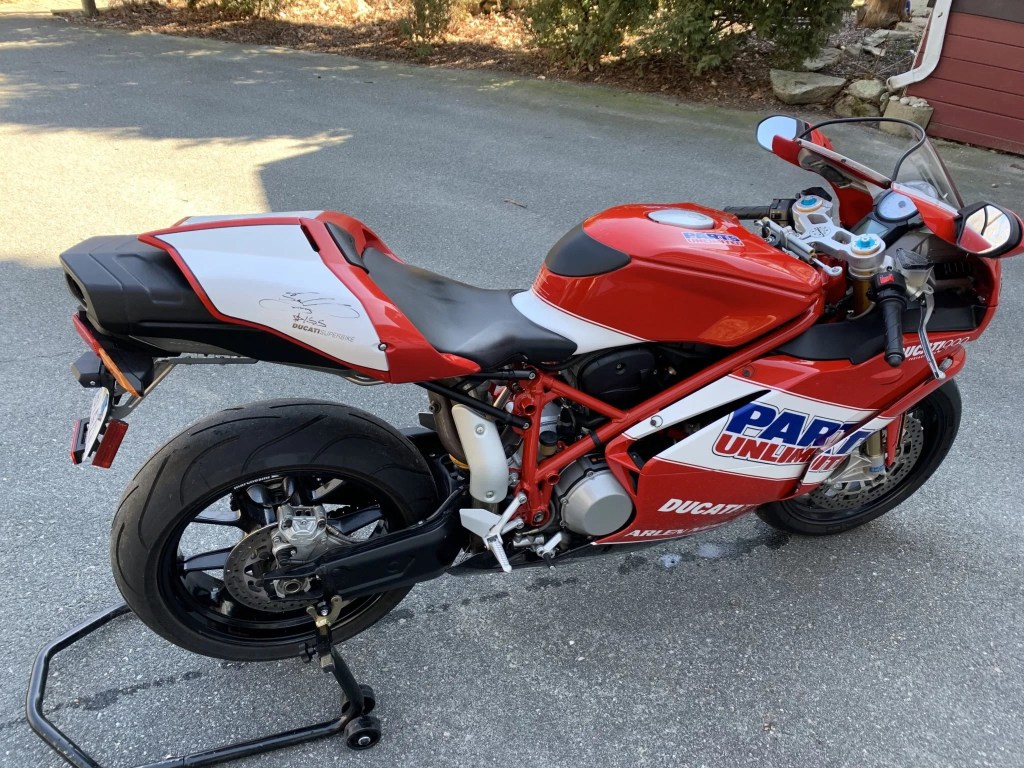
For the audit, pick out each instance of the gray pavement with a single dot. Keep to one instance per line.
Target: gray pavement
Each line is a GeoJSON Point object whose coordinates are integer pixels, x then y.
{"type": "Point", "coordinates": [895, 645]}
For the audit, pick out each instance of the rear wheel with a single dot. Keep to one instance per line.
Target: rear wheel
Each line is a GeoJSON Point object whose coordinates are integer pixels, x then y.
{"type": "Point", "coordinates": [200, 523]}
{"type": "Point", "coordinates": [929, 429]}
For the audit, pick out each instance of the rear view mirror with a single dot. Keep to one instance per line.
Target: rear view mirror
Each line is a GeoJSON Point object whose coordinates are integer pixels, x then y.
{"type": "Point", "coordinates": [778, 125]}
{"type": "Point", "coordinates": [985, 229]}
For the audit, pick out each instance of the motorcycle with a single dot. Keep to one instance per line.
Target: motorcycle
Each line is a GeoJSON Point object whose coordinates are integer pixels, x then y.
{"type": "Point", "coordinates": [669, 371]}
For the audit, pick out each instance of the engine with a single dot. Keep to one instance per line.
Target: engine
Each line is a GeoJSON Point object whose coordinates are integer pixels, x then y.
{"type": "Point", "coordinates": [626, 377]}
{"type": "Point", "coordinates": [590, 500]}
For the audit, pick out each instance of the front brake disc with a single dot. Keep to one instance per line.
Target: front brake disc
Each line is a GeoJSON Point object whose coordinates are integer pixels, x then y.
{"type": "Point", "coordinates": [843, 495]}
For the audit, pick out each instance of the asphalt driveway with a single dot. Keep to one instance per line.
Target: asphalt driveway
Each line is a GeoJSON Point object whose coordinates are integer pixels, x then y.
{"type": "Point", "coordinates": [897, 644]}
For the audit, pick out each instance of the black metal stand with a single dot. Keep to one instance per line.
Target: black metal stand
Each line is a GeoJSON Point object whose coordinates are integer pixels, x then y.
{"type": "Point", "coordinates": [361, 730]}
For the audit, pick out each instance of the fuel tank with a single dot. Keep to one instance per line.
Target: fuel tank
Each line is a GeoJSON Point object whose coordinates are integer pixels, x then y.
{"type": "Point", "coordinates": [676, 273]}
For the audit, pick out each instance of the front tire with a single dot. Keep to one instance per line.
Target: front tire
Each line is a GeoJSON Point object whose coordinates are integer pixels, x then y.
{"type": "Point", "coordinates": [192, 490]}
{"type": "Point", "coordinates": [930, 429]}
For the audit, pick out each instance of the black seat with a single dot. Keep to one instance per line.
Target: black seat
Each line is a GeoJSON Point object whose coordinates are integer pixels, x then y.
{"type": "Point", "coordinates": [475, 323]}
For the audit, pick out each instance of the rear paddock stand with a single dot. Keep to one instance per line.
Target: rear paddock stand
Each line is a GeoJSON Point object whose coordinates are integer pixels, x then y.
{"type": "Point", "coordinates": [361, 729]}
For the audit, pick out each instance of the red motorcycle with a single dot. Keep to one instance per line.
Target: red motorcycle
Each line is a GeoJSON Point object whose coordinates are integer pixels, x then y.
{"type": "Point", "coordinates": [669, 371]}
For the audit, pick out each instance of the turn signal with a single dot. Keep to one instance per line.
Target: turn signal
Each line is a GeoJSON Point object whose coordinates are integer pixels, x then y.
{"type": "Point", "coordinates": [108, 363]}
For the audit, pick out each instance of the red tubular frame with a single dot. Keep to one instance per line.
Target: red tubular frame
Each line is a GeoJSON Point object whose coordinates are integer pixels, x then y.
{"type": "Point", "coordinates": [537, 480]}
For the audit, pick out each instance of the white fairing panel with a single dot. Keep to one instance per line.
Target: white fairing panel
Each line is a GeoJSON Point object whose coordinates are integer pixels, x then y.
{"type": "Point", "coordinates": [268, 274]}
{"type": "Point", "coordinates": [234, 216]}
{"type": "Point", "coordinates": [587, 336]}
{"type": "Point", "coordinates": [775, 436]}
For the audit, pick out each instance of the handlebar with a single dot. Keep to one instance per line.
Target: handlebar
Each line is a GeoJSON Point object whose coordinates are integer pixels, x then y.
{"type": "Point", "coordinates": [752, 212]}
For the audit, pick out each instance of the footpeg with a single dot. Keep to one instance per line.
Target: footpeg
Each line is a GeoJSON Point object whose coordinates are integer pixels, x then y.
{"type": "Point", "coordinates": [494, 544]}
{"type": "Point", "coordinates": [487, 526]}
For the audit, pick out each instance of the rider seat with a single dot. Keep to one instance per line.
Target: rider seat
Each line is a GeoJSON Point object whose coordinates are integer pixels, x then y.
{"type": "Point", "coordinates": [478, 324]}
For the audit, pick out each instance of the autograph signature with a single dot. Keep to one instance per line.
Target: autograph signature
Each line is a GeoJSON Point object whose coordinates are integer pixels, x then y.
{"type": "Point", "coordinates": [303, 303]}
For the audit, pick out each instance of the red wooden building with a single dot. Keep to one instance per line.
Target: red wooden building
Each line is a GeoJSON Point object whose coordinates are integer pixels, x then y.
{"type": "Point", "coordinates": [977, 89]}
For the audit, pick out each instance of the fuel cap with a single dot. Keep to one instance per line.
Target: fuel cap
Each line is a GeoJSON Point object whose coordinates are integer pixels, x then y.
{"type": "Point", "coordinates": [677, 217]}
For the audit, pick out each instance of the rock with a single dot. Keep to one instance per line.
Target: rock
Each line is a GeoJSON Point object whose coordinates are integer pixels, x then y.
{"type": "Point", "coordinates": [915, 110]}
{"type": "Point", "coordinates": [875, 38]}
{"type": "Point", "coordinates": [854, 49]}
{"type": "Point", "coordinates": [902, 34]}
{"type": "Point", "coordinates": [874, 51]}
{"type": "Point", "coordinates": [849, 106]}
{"type": "Point", "coordinates": [827, 57]}
{"type": "Point", "coordinates": [880, 36]}
{"type": "Point", "coordinates": [915, 26]}
{"type": "Point", "coordinates": [867, 90]}
{"type": "Point", "coordinates": [804, 87]}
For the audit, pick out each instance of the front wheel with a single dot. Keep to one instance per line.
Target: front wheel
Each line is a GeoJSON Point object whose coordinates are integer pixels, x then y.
{"type": "Point", "coordinates": [929, 429]}
{"type": "Point", "coordinates": [248, 491]}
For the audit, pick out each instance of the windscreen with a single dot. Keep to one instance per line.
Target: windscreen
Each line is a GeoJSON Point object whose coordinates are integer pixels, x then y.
{"type": "Point", "coordinates": [893, 157]}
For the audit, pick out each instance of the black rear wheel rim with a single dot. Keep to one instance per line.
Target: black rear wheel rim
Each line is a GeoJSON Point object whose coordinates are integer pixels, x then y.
{"type": "Point", "coordinates": [200, 598]}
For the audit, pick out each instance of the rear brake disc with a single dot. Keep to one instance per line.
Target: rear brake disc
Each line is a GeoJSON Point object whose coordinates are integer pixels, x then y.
{"type": "Point", "coordinates": [251, 556]}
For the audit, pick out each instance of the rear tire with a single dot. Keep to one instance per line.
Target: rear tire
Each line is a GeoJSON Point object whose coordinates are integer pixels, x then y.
{"type": "Point", "coordinates": [814, 515]}
{"type": "Point", "coordinates": [205, 466]}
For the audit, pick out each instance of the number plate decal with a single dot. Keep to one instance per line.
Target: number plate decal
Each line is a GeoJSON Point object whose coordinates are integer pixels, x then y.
{"type": "Point", "coordinates": [98, 416]}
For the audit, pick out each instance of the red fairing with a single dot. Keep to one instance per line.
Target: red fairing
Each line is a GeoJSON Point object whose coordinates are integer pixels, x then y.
{"type": "Point", "coordinates": [803, 410]}
{"type": "Point", "coordinates": [411, 357]}
{"type": "Point", "coordinates": [937, 216]}
{"type": "Point", "coordinates": [721, 286]}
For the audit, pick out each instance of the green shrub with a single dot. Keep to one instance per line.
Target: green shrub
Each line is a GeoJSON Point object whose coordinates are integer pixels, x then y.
{"type": "Point", "coordinates": [707, 33]}
{"type": "Point", "coordinates": [582, 31]}
{"type": "Point", "coordinates": [430, 18]}
{"type": "Point", "coordinates": [703, 34]}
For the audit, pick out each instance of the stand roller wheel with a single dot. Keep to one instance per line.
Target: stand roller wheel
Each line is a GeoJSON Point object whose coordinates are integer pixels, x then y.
{"type": "Point", "coordinates": [362, 732]}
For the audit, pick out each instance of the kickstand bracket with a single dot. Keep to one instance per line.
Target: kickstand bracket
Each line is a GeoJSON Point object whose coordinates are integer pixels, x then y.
{"type": "Point", "coordinates": [361, 730]}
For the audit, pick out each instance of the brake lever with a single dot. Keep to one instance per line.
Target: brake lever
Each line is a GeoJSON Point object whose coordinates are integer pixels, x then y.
{"type": "Point", "coordinates": [922, 334]}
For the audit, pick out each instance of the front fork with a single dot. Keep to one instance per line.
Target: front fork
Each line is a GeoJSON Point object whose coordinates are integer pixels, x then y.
{"type": "Point", "coordinates": [880, 449]}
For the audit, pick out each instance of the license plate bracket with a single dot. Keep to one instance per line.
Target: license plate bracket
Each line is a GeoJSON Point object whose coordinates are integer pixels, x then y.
{"type": "Point", "coordinates": [97, 437]}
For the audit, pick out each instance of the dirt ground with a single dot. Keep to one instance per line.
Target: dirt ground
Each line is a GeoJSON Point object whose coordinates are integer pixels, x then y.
{"type": "Point", "coordinates": [496, 41]}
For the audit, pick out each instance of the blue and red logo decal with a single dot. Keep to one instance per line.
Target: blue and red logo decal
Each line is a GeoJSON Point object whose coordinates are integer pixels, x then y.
{"type": "Point", "coordinates": [761, 433]}
{"type": "Point", "coordinates": [711, 238]}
